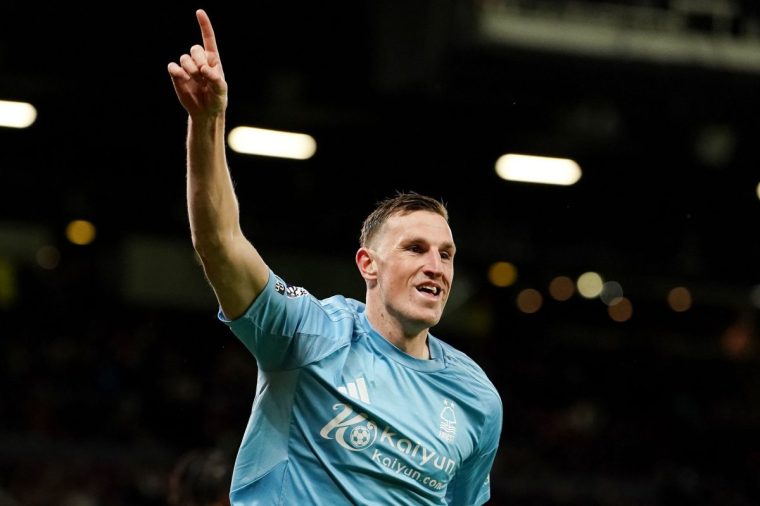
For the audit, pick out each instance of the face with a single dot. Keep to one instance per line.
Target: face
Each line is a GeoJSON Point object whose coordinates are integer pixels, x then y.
{"type": "Point", "coordinates": [413, 261]}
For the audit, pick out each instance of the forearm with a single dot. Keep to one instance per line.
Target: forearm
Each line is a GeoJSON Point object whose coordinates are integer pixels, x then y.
{"type": "Point", "coordinates": [231, 263]}
{"type": "Point", "coordinates": [212, 204]}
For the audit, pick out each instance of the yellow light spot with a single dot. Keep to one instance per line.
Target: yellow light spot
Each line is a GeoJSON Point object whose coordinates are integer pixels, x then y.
{"type": "Point", "coordinates": [679, 299]}
{"type": "Point", "coordinates": [502, 274]}
{"type": "Point", "coordinates": [529, 300]}
{"type": "Point", "coordinates": [81, 232]}
{"type": "Point", "coordinates": [590, 284]}
{"type": "Point", "coordinates": [622, 311]}
{"type": "Point", "coordinates": [561, 288]}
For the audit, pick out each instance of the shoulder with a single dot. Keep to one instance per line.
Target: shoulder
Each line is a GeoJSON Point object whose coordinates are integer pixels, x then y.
{"type": "Point", "coordinates": [471, 374]}
{"type": "Point", "coordinates": [340, 304]}
{"type": "Point", "coordinates": [335, 307]}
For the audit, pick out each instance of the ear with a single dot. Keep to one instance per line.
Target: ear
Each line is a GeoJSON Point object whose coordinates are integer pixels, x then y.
{"type": "Point", "coordinates": [366, 264]}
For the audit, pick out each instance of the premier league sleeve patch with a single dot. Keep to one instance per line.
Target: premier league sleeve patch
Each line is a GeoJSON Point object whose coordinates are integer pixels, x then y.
{"type": "Point", "coordinates": [290, 291]}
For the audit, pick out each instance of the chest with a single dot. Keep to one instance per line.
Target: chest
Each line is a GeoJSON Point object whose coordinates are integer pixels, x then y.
{"type": "Point", "coordinates": [376, 413]}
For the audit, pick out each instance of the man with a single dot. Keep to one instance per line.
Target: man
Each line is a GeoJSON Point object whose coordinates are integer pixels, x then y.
{"type": "Point", "coordinates": [355, 403]}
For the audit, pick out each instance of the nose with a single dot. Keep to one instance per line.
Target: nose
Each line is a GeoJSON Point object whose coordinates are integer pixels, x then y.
{"type": "Point", "coordinates": [434, 263]}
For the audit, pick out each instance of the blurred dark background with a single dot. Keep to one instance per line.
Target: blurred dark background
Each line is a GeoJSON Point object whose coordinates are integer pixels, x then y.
{"type": "Point", "coordinates": [112, 362]}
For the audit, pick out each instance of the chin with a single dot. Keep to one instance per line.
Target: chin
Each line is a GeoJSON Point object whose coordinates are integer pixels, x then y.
{"type": "Point", "coordinates": [430, 320]}
{"type": "Point", "coordinates": [422, 317]}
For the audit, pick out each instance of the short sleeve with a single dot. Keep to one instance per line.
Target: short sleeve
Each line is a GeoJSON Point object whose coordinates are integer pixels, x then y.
{"type": "Point", "coordinates": [287, 327]}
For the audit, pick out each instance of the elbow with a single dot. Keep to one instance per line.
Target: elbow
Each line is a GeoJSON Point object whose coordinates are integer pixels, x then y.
{"type": "Point", "coordinates": [207, 246]}
{"type": "Point", "coordinates": [212, 247]}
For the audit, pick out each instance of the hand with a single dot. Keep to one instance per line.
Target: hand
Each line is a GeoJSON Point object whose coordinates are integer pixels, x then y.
{"type": "Point", "coordinates": [199, 79]}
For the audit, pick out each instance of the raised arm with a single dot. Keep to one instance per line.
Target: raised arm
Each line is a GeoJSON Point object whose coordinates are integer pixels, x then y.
{"type": "Point", "coordinates": [232, 265]}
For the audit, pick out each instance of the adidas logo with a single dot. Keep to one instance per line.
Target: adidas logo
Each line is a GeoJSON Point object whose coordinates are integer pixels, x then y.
{"type": "Point", "coordinates": [356, 389]}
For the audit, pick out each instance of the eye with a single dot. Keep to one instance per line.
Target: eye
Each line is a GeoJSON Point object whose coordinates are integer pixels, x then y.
{"type": "Point", "coordinates": [415, 248]}
{"type": "Point", "coordinates": [445, 255]}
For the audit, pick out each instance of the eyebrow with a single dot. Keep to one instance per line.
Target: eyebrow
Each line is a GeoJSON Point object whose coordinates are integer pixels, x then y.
{"type": "Point", "coordinates": [445, 246]}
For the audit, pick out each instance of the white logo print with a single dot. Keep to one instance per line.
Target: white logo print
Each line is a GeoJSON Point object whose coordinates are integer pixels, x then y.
{"type": "Point", "coordinates": [448, 425]}
{"type": "Point", "coordinates": [362, 434]}
{"type": "Point", "coordinates": [290, 291]}
{"type": "Point", "coordinates": [356, 389]}
{"type": "Point", "coordinates": [391, 453]}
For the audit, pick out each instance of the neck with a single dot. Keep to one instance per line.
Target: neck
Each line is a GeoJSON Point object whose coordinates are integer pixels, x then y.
{"type": "Point", "coordinates": [412, 343]}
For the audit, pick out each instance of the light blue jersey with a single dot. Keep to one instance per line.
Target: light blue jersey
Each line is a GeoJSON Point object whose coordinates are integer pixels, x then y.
{"type": "Point", "coordinates": [341, 416]}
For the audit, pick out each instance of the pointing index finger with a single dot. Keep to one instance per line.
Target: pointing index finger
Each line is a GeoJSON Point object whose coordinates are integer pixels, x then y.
{"type": "Point", "coordinates": [207, 31]}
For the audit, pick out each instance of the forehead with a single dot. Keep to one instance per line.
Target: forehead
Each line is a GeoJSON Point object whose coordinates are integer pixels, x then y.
{"type": "Point", "coordinates": [417, 225]}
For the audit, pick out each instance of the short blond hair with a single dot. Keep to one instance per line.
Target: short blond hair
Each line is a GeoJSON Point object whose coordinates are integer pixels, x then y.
{"type": "Point", "coordinates": [402, 203]}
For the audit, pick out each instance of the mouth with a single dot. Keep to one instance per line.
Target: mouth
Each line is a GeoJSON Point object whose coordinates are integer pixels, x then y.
{"type": "Point", "coordinates": [430, 290]}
